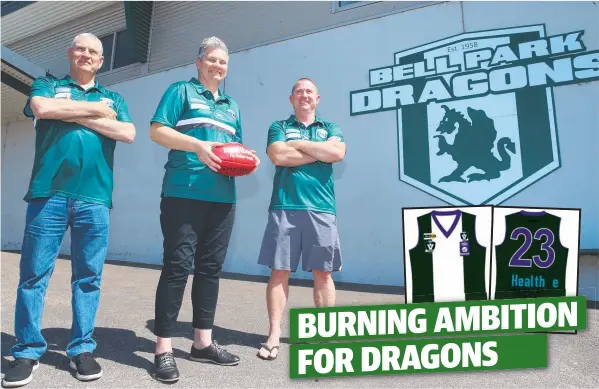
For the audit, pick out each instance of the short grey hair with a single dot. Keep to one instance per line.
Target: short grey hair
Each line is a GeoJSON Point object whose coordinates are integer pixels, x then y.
{"type": "Point", "coordinates": [211, 43]}
{"type": "Point", "coordinates": [303, 79]}
{"type": "Point", "coordinates": [88, 35]}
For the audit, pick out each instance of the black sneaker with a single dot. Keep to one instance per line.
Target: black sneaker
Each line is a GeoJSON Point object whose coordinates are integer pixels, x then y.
{"type": "Point", "coordinates": [87, 367]}
{"type": "Point", "coordinates": [20, 373]}
{"type": "Point", "coordinates": [214, 354]}
{"type": "Point", "coordinates": [165, 368]}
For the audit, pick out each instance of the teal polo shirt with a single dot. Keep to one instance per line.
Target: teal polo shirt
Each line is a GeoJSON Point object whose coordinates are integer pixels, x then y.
{"type": "Point", "coordinates": [307, 187]}
{"type": "Point", "coordinates": [191, 109]}
{"type": "Point", "coordinates": [72, 160]}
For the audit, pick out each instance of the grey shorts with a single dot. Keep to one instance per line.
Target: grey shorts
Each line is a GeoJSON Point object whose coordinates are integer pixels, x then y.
{"type": "Point", "coordinates": [313, 235]}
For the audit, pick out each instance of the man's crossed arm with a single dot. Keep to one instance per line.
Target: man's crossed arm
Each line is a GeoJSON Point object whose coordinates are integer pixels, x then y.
{"type": "Point", "coordinates": [300, 152]}
{"type": "Point", "coordinates": [96, 116]}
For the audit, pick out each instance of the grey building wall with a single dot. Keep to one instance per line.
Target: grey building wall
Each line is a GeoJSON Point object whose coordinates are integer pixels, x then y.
{"type": "Point", "coordinates": [12, 105]}
{"type": "Point", "coordinates": [178, 27]}
{"type": "Point", "coordinates": [43, 16]}
{"type": "Point", "coordinates": [48, 49]}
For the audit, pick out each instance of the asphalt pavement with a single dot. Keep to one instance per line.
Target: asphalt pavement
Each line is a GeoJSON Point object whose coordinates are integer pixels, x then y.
{"type": "Point", "coordinates": [126, 343]}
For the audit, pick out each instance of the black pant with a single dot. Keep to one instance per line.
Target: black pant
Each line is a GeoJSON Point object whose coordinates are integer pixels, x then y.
{"type": "Point", "coordinates": [195, 232]}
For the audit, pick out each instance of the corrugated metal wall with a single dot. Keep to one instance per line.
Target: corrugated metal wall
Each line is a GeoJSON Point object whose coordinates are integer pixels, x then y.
{"type": "Point", "coordinates": [120, 74]}
{"type": "Point", "coordinates": [48, 49]}
{"type": "Point", "coordinates": [179, 27]}
{"type": "Point", "coordinates": [12, 104]}
{"type": "Point", "coordinates": [27, 22]}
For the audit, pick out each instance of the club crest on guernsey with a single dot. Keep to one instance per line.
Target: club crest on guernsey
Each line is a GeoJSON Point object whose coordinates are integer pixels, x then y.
{"type": "Point", "coordinates": [429, 246]}
{"type": "Point", "coordinates": [464, 248]}
{"type": "Point", "coordinates": [475, 112]}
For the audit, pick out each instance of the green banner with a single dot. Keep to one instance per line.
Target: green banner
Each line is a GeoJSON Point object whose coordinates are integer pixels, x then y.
{"type": "Point", "coordinates": [438, 319]}
{"type": "Point", "coordinates": [418, 356]}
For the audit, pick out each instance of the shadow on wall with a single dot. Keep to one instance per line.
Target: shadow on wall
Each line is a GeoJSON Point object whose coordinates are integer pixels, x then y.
{"type": "Point", "coordinates": [339, 169]}
{"type": "Point", "coordinates": [271, 168]}
{"type": "Point", "coordinates": [248, 186]}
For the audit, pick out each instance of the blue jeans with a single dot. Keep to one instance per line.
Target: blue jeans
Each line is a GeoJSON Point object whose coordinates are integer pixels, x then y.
{"type": "Point", "coordinates": [46, 223]}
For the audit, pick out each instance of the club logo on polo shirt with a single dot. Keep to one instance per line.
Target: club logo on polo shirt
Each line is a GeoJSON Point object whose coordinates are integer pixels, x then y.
{"type": "Point", "coordinates": [107, 101]}
{"type": "Point", "coordinates": [220, 115]}
{"type": "Point", "coordinates": [321, 133]}
{"type": "Point", "coordinates": [232, 113]}
{"type": "Point", "coordinates": [63, 93]}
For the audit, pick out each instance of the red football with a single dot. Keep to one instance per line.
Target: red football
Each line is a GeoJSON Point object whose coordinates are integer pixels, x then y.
{"type": "Point", "coordinates": [237, 160]}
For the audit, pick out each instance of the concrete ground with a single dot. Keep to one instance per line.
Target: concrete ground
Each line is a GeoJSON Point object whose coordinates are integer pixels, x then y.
{"type": "Point", "coordinates": [126, 344]}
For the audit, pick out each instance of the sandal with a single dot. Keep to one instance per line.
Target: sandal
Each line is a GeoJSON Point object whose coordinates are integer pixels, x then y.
{"type": "Point", "coordinates": [269, 349]}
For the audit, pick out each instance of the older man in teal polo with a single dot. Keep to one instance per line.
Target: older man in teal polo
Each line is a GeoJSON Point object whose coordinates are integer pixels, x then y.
{"type": "Point", "coordinates": [77, 124]}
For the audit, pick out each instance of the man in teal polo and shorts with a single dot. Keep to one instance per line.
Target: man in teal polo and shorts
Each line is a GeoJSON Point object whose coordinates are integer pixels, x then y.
{"type": "Point", "coordinates": [302, 217]}
{"type": "Point", "coordinates": [77, 124]}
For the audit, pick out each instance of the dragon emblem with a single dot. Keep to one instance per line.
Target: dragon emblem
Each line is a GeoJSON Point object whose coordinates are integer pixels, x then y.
{"type": "Point", "coordinates": [473, 145]}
